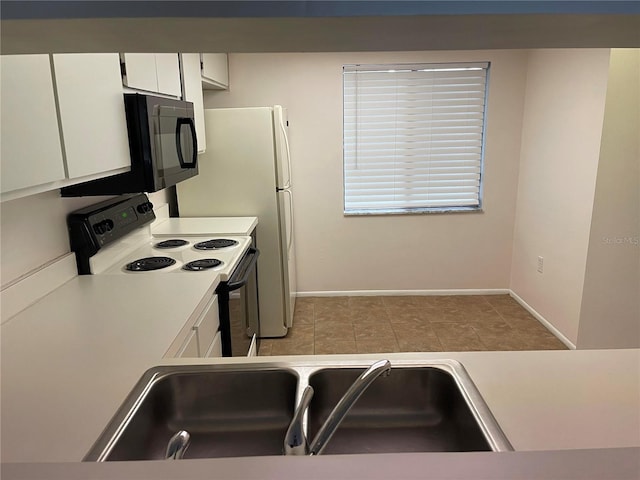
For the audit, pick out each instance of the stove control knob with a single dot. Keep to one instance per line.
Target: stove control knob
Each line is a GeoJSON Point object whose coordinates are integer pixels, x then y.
{"type": "Point", "coordinates": [103, 227]}
{"type": "Point", "coordinates": [145, 207]}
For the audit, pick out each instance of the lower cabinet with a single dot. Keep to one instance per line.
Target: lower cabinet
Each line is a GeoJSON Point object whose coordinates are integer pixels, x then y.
{"type": "Point", "coordinates": [216, 347]}
{"type": "Point", "coordinates": [202, 338]}
{"type": "Point", "coordinates": [190, 347]}
{"type": "Point", "coordinates": [206, 327]}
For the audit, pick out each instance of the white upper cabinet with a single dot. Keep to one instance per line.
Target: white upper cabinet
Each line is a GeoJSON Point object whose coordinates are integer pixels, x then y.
{"type": "Point", "coordinates": [153, 72]}
{"type": "Point", "coordinates": [92, 115]}
{"type": "Point", "coordinates": [140, 71]}
{"type": "Point", "coordinates": [190, 63]}
{"type": "Point", "coordinates": [63, 121]}
{"type": "Point", "coordinates": [31, 152]}
{"type": "Point", "coordinates": [215, 70]}
{"type": "Point", "coordinates": [168, 71]}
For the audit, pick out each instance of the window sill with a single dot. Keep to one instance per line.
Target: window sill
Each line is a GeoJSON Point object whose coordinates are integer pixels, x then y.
{"type": "Point", "coordinates": [412, 211]}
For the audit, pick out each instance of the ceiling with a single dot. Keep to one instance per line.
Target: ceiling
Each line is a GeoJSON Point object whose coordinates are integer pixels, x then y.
{"type": "Point", "coordinates": [319, 34]}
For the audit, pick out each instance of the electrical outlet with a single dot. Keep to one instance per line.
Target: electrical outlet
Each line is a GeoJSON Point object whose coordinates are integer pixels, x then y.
{"type": "Point", "coordinates": [540, 264]}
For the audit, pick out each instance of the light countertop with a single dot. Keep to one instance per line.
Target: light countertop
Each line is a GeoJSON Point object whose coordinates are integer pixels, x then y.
{"type": "Point", "coordinates": [69, 360]}
{"type": "Point", "coordinates": [542, 400]}
{"type": "Point", "coordinates": [205, 226]}
{"type": "Point", "coordinates": [547, 400]}
{"type": "Point", "coordinates": [613, 464]}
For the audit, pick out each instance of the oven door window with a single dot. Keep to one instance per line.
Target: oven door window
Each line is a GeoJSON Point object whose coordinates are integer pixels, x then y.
{"type": "Point", "coordinates": [243, 309]}
{"type": "Point", "coordinates": [240, 337]}
{"type": "Point", "coordinates": [176, 144]}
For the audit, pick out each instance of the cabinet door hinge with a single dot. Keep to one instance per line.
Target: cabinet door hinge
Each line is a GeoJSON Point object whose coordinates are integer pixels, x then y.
{"type": "Point", "coordinates": [123, 69]}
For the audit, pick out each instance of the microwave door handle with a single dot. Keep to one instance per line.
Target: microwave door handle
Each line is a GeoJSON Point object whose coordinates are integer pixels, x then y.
{"type": "Point", "coordinates": [194, 159]}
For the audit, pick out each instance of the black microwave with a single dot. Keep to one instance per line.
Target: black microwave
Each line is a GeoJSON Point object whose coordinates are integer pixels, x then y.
{"type": "Point", "coordinates": [162, 144]}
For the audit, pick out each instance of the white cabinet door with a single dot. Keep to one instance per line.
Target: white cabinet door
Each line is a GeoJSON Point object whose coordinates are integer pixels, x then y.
{"type": "Point", "coordinates": [31, 152]}
{"type": "Point", "coordinates": [92, 116]}
{"type": "Point", "coordinates": [153, 72]}
{"type": "Point", "coordinates": [207, 325]}
{"type": "Point", "coordinates": [192, 84]}
{"type": "Point", "coordinates": [189, 347]}
{"type": "Point", "coordinates": [168, 72]}
{"type": "Point", "coordinates": [215, 70]}
{"type": "Point", "coordinates": [141, 71]}
{"type": "Point", "coordinates": [216, 347]}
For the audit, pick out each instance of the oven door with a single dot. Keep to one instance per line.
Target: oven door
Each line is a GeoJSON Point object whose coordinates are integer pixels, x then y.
{"type": "Point", "coordinates": [239, 314]}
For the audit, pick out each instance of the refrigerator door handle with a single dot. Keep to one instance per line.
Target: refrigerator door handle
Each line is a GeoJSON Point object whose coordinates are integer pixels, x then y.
{"type": "Point", "coordinates": [286, 144]}
{"type": "Point", "coordinates": [290, 239]}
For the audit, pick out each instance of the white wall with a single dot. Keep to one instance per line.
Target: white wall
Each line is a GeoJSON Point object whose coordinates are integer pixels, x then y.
{"type": "Point", "coordinates": [338, 253]}
{"type": "Point", "coordinates": [33, 230]}
{"type": "Point", "coordinates": [610, 314]}
{"type": "Point", "coordinates": [562, 126]}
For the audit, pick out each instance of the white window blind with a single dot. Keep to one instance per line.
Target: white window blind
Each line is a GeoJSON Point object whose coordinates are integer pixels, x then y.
{"type": "Point", "coordinates": [413, 137]}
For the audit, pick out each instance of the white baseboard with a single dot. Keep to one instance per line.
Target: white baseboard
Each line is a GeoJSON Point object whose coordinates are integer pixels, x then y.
{"type": "Point", "coordinates": [543, 320]}
{"type": "Point", "coordinates": [399, 293]}
{"type": "Point", "coordinates": [31, 288]}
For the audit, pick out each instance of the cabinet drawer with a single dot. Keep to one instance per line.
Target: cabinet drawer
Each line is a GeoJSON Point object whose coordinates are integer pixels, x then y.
{"type": "Point", "coordinates": [207, 325]}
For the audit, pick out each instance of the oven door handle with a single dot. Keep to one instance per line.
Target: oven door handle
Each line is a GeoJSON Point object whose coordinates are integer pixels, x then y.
{"type": "Point", "coordinates": [240, 275]}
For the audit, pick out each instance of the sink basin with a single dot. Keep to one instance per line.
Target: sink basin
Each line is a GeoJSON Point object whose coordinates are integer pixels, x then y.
{"type": "Point", "coordinates": [227, 414]}
{"type": "Point", "coordinates": [238, 410]}
{"type": "Point", "coordinates": [411, 410]}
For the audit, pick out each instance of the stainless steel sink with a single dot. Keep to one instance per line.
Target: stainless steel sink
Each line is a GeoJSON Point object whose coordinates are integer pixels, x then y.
{"type": "Point", "coordinates": [227, 414]}
{"type": "Point", "coordinates": [411, 410]}
{"type": "Point", "coordinates": [236, 410]}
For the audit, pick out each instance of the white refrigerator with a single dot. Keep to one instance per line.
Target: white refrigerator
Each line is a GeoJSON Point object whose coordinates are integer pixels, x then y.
{"type": "Point", "coordinates": [246, 171]}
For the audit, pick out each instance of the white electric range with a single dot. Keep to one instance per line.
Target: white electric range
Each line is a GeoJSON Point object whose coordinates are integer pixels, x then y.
{"type": "Point", "coordinates": [182, 255]}
{"type": "Point", "coordinates": [114, 238]}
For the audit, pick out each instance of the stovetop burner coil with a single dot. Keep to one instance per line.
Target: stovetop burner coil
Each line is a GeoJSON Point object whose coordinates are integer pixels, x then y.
{"type": "Point", "coordinates": [149, 263]}
{"type": "Point", "coordinates": [203, 264]}
{"type": "Point", "coordinates": [215, 244]}
{"type": "Point", "coordinates": [171, 243]}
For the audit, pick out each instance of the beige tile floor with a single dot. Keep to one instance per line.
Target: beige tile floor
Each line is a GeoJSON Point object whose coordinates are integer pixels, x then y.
{"type": "Point", "coordinates": [325, 325]}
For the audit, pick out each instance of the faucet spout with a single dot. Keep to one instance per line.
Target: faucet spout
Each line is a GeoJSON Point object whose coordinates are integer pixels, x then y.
{"type": "Point", "coordinates": [382, 367]}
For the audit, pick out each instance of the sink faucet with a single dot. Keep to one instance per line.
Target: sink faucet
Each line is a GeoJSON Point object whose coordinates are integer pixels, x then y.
{"type": "Point", "coordinates": [177, 445]}
{"type": "Point", "coordinates": [295, 440]}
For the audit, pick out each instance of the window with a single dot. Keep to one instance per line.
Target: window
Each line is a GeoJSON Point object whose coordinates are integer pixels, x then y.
{"type": "Point", "coordinates": [413, 137]}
